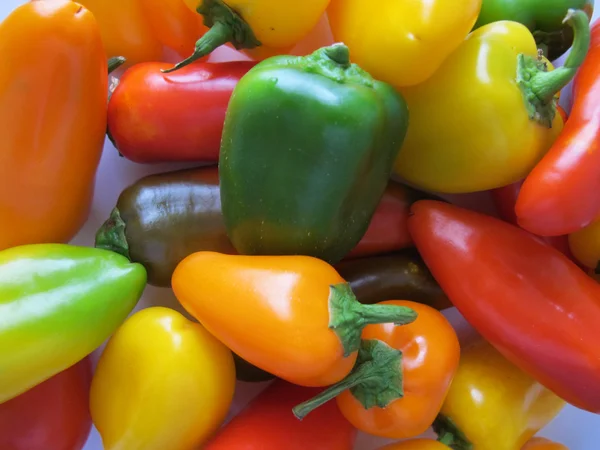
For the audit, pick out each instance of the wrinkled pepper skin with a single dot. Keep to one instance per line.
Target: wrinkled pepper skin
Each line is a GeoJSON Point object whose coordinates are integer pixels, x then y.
{"type": "Point", "coordinates": [331, 131]}
{"type": "Point", "coordinates": [155, 117]}
{"type": "Point", "coordinates": [539, 443]}
{"type": "Point", "coordinates": [262, 28]}
{"type": "Point", "coordinates": [53, 119]}
{"type": "Point", "coordinates": [310, 320]}
{"type": "Point", "coordinates": [544, 18]}
{"type": "Point", "coordinates": [417, 444]}
{"type": "Point", "coordinates": [500, 119]}
{"type": "Point", "coordinates": [59, 302]}
{"type": "Point", "coordinates": [561, 195]}
{"type": "Point", "coordinates": [162, 218]}
{"type": "Point", "coordinates": [139, 29]}
{"type": "Point", "coordinates": [420, 34]}
{"type": "Point", "coordinates": [400, 275]}
{"type": "Point", "coordinates": [54, 415]}
{"type": "Point", "coordinates": [267, 423]}
{"type": "Point", "coordinates": [492, 403]}
{"type": "Point", "coordinates": [162, 382]}
{"type": "Point", "coordinates": [511, 302]}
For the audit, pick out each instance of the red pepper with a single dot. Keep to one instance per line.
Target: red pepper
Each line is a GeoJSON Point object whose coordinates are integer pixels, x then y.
{"type": "Point", "coordinates": [267, 423]}
{"type": "Point", "coordinates": [156, 117]}
{"type": "Point", "coordinates": [528, 300]}
{"type": "Point", "coordinates": [54, 415]}
{"type": "Point", "coordinates": [562, 193]}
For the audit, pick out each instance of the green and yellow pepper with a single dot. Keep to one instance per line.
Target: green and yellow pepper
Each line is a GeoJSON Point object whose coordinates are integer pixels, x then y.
{"type": "Point", "coordinates": [58, 303]}
{"type": "Point", "coordinates": [307, 151]}
{"type": "Point", "coordinates": [492, 404]}
{"type": "Point", "coordinates": [161, 382]}
{"type": "Point", "coordinates": [488, 115]}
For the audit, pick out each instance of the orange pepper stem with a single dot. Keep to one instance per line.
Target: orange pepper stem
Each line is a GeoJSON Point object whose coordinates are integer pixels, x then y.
{"type": "Point", "coordinates": [539, 86]}
{"type": "Point", "coordinates": [111, 235]}
{"type": "Point", "coordinates": [348, 317]}
{"type": "Point", "coordinates": [225, 25]}
{"type": "Point", "coordinates": [376, 379]}
{"type": "Point", "coordinates": [450, 435]}
{"type": "Point", "coordinates": [115, 63]}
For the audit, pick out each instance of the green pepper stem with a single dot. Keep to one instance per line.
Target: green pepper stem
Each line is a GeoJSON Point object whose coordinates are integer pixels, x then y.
{"type": "Point", "coordinates": [545, 85]}
{"type": "Point", "coordinates": [376, 379]}
{"type": "Point", "coordinates": [111, 235]}
{"type": "Point", "coordinates": [447, 439]}
{"type": "Point", "coordinates": [449, 433]}
{"type": "Point", "coordinates": [338, 53]}
{"type": "Point", "coordinates": [115, 63]}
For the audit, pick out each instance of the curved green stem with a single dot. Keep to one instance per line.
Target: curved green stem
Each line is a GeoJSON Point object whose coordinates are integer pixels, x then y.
{"type": "Point", "coordinates": [375, 381]}
{"type": "Point", "coordinates": [111, 235]}
{"type": "Point", "coordinates": [449, 434]}
{"type": "Point", "coordinates": [447, 439]}
{"type": "Point", "coordinates": [115, 63]}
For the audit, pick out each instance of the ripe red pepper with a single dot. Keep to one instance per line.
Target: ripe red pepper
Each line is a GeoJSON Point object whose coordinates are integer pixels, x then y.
{"type": "Point", "coordinates": [527, 299]}
{"type": "Point", "coordinates": [54, 415]}
{"type": "Point", "coordinates": [156, 117]}
{"type": "Point", "coordinates": [267, 423]}
{"type": "Point", "coordinates": [562, 193]}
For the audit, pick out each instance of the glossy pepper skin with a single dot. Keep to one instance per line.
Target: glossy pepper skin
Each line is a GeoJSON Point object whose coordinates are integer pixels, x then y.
{"type": "Point", "coordinates": [267, 423]}
{"type": "Point", "coordinates": [139, 29]}
{"type": "Point", "coordinates": [53, 120]}
{"type": "Point", "coordinates": [155, 117]}
{"type": "Point", "coordinates": [543, 444]}
{"type": "Point", "coordinates": [309, 319]}
{"type": "Point", "coordinates": [262, 28]}
{"type": "Point", "coordinates": [161, 382]}
{"type": "Point", "coordinates": [331, 131]}
{"type": "Point", "coordinates": [543, 18]}
{"type": "Point", "coordinates": [561, 195]}
{"type": "Point", "coordinates": [422, 34]}
{"type": "Point", "coordinates": [492, 404]}
{"type": "Point", "coordinates": [501, 117]}
{"type": "Point", "coordinates": [59, 302]}
{"type": "Point", "coordinates": [397, 275]}
{"type": "Point", "coordinates": [585, 245]}
{"type": "Point", "coordinates": [514, 305]}
{"type": "Point", "coordinates": [401, 378]}
{"type": "Point", "coordinates": [54, 415]}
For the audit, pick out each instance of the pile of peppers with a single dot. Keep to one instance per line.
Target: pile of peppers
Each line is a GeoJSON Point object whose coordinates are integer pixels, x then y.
{"type": "Point", "coordinates": [317, 232]}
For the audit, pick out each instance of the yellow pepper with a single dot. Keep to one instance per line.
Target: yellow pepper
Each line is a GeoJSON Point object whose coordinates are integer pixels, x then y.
{"type": "Point", "coordinates": [585, 245]}
{"type": "Point", "coordinates": [162, 382]}
{"type": "Point", "coordinates": [401, 43]}
{"type": "Point", "coordinates": [488, 115]}
{"type": "Point", "coordinates": [492, 404]}
{"type": "Point", "coordinates": [262, 28]}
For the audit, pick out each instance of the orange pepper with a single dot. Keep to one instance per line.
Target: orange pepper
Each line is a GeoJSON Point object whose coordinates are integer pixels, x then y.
{"type": "Point", "coordinates": [292, 316]}
{"type": "Point", "coordinates": [54, 85]}
{"type": "Point", "coordinates": [538, 443]}
{"type": "Point", "coordinates": [416, 444]}
{"type": "Point", "coordinates": [402, 376]}
{"type": "Point", "coordinates": [138, 29]}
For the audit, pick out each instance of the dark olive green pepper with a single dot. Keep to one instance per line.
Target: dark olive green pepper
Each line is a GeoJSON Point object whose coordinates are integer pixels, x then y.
{"type": "Point", "coordinates": [308, 147]}
{"type": "Point", "coordinates": [161, 219]}
{"type": "Point", "coordinates": [396, 276]}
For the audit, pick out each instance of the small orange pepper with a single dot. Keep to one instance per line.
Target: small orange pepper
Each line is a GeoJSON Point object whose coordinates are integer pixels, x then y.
{"type": "Point", "coordinates": [539, 443]}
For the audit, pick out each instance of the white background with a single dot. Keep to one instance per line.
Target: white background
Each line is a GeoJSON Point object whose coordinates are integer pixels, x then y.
{"type": "Point", "coordinates": [576, 429]}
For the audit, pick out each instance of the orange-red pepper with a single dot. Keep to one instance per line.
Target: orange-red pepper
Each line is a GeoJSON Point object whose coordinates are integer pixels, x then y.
{"type": "Point", "coordinates": [54, 85]}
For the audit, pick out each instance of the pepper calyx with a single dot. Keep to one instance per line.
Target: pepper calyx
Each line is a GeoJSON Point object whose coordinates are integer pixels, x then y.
{"type": "Point", "coordinates": [111, 235]}
{"type": "Point", "coordinates": [334, 63]}
{"type": "Point", "coordinates": [450, 434]}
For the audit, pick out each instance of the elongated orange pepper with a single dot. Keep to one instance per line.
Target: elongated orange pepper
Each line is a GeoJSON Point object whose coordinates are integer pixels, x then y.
{"type": "Point", "coordinates": [292, 316]}
{"type": "Point", "coordinates": [54, 85]}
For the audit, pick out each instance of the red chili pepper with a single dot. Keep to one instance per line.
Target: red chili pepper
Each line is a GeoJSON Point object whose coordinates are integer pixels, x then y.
{"type": "Point", "coordinates": [562, 193]}
{"type": "Point", "coordinates": [54, 415]}
{"type": "Point", "coordinates": [156, 117]}
{"type": "Point", "coordinates": [528, 300]}
{"type": "Point", "coordinates": [267, 423]}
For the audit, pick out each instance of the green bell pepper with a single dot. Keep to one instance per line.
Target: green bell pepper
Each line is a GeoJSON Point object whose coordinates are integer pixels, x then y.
{"type": "Point", "coordinates": [307, 150]}
{"type": "Point", "coordinates": [543, 17]}
{"type": "Point", "coordinates": [58, 303]}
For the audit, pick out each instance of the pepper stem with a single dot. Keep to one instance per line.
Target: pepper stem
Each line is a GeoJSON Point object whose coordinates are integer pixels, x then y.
{"type": "Point", "coordinates": [348, 317]}
{"type": "Point", "coordinates": [540, 86]}
{"type": "Point", "coordinates": [376, 379]}
{"type": "Point", "coordinates": [338, 53]}
{"type": "Point", "coordinates": [225, 25]}
{"type": "Point", "coordinates": [115, 63]}
{"type": "Point", "coordinates": [449, 434]}
{"type": "Point", "coordinates": [111, 235]}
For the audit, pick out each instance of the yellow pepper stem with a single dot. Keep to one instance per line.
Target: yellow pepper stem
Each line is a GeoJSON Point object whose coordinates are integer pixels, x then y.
{"type": "Point", "coordinates": [450, 435]}
{"type": "Point", "coordinates": [376, 379]}
{"type": "Point", "coordinates": [539, 86]}
{"type": "Point", "coordinates": [225, 25]}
